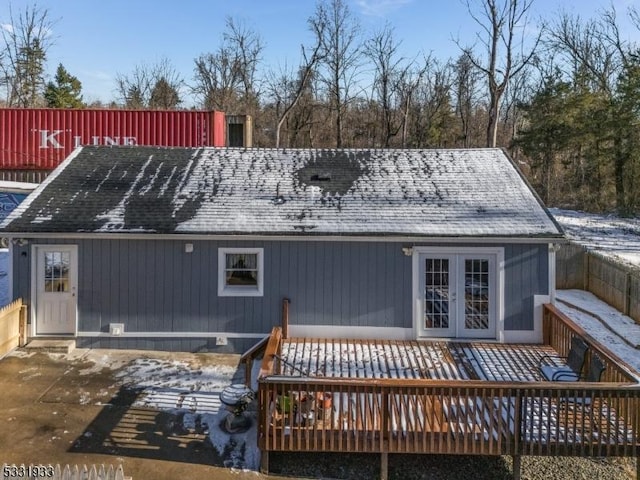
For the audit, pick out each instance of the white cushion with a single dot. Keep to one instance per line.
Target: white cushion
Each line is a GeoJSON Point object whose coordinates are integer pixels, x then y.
{"type": "Point", "coordinates": [559, 374]}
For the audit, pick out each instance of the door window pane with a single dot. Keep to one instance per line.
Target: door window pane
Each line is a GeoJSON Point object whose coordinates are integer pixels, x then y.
{"type": "Point", "coordinates": [476, 294]}
{"type": "Point", "coordinates": [436, 293]}
{"type": "Point", "coordinates": [56, 271]}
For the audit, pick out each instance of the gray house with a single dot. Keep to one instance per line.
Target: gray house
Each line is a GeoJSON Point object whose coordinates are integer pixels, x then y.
{"type": "Point", "coordinates": [191, 249]}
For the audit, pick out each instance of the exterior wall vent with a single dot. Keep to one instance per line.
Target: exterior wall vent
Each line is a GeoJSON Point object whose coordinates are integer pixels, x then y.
{"type": "Point", "coordinates": [116, 329]}
{"type": "Point", "coordinates": [321, 177]}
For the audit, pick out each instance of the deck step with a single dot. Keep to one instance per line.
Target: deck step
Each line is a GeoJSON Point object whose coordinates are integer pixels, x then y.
{"type": "Point", "coordinates": [51, 345]}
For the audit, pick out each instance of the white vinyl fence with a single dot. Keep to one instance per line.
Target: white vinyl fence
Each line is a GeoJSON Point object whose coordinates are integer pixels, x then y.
{"type": "Point", "coordinates": [57, 472]}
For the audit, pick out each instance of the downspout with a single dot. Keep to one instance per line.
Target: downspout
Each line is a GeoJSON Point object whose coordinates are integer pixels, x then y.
{"type": "Point", "coordinates": [553, 248]}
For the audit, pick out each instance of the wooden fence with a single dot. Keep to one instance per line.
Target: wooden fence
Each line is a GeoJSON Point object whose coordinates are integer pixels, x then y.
{"type": "Point", "coordinates": [13, 322]}
{"type": "Point", "coordinates": [57, 472]}
{"type": "Point", "coordinates": [616, 284]}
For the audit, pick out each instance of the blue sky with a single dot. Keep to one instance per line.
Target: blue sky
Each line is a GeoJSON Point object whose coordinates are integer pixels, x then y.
{"type": "Point", "coordinates": [95, 39]}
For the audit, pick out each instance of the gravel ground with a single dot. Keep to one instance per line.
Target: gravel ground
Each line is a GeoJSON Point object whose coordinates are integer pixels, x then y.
{"type": "Point", "coordinates": [448, 467]}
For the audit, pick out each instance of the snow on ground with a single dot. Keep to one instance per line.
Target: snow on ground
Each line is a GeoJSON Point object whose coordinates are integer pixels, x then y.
{"type": "Point", "coordinates": [616, 331]}
{"type": "Point", "coordinates": [607, 234]}
{"type": "Point", "coordinates": [173, 386]}
{"type": "Point", "coordinates": [189, 388]}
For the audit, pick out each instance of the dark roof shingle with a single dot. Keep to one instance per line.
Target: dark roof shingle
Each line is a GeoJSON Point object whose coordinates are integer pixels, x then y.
{"type": "Point", "coordinates": [426, 193]}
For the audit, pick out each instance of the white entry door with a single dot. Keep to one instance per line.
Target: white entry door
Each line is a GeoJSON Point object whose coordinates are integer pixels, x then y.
{"type": "Point", "coordinates": [457, 294]}
{"type": "Point", "coordinates": [56, 287]}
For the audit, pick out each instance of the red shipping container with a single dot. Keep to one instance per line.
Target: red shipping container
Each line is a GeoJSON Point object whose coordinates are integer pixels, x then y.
{"type": "Point", "coordinates": [40, 139]}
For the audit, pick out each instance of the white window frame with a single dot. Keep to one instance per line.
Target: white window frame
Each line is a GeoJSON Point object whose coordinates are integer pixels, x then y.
{"type": "Point", "coordinates": [235, 290]}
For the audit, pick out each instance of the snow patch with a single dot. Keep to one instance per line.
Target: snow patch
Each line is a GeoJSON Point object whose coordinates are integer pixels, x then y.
{"type": "Point", "coordinates": [194, 392]}
{"type": "Point", "coordinates": [102, 360]}
{"type": "Point", "coordinates": [115, 217]}
{"type": "Point", "coordinates": [604, 334]}
{"type": "Point", "coordinates": [612, 236]}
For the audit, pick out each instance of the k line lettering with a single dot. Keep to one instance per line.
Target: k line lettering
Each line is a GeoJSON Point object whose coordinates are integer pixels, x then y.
{"type": "Point", "coordinates": [50, 139]}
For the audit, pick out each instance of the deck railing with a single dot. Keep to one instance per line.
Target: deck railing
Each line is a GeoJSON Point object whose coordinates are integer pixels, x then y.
{"type": "Point", "coordinates": [438, 416]}
{"type": "Point", "coordinates": [558, 329]}
{"type": "Point", "coordinates": [312, 413]}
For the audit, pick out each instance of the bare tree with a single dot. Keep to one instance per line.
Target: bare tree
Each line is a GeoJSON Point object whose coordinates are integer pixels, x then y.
{"type": "Point", "coordinates": [227, 78]}
{"type": "Point", "coordinates": [466, 91]}
{"type": "Point", "coordinates": [246, 46]}
{"type": "Point", "coordinates": [409, 84]}
{"type": "Point", "coordinates": [306, 71]}
{"type": "Point", "coordinates": [343, 51]}
{"type": "Point", "coordinates": [390, 72]}
{"type": "Point", "coordinates": [499, 22]}
{"type": "Point", "coordinates": [134, 88]}
{"type": "Point", "coordinates": [584, 47]}
{"type": "Point", "coordinates": [215, 80]}
{"type": "Point", "coordinates": [150, 86]}
{"type": "Point", "coordinates": [519, 90]}
{"type": "Point", "coordinates": [432, 110]}
{"type": "Point", "coordinates": [26, 38]}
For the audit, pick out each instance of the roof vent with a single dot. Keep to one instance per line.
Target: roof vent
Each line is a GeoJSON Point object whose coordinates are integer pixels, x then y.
{"type": "Point", "coordinates": [321, 177]}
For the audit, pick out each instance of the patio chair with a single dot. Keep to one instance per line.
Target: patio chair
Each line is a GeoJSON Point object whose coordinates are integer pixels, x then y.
{"type": "Point", "coordinates": [596, 369]}
{"type": "Point", "coordinates": [574, 363]}
{"type": "Point", "coordinates": [594, 374]}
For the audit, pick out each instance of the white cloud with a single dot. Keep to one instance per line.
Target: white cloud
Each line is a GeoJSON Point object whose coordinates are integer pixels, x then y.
{"type": "Point", "coordinates": [7, 27]}
{"type": "Point", "coordinates": [379, 8]}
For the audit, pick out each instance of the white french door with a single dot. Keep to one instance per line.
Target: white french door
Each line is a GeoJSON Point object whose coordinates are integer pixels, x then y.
{"type": "Point", "coordinates": [456, 293]}
{"type": "Point", "coordinates": [55, 289]}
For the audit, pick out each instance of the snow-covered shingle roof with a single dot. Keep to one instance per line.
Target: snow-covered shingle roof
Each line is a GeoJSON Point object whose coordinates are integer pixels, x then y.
{"type": "Point", "coordinates": [427, 193]}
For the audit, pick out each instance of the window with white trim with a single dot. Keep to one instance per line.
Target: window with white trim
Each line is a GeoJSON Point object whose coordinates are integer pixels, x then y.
{"type": "Point", "coordinates": [240, 272]}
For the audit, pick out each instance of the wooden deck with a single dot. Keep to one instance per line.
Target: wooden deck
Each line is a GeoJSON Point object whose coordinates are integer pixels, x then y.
{"type": "Point", "coordinates": [443, 397]}
{"type": "Point", "coordinates": [413, 360]}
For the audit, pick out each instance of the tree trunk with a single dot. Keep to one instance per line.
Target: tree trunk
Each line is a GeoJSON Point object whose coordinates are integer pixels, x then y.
{"type": "Point", "coordinates": [338, 128]}
{"type": "Point", "coordinates": [492, 124]}
{"type": "Point", "coordinates": [619, 162]}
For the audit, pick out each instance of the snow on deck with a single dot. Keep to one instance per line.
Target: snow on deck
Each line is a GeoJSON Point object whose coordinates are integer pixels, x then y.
{"type": "Point", "coordinates": [412, 359]}
{"type": "Point", "coordinates": [616, 331]}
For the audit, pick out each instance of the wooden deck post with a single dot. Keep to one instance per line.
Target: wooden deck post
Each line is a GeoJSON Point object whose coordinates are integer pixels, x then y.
{"type": "Point", "coordinates": [248, 368]}
{"type": "Point", "coordinates": [264, 462]}
{"type": "Point", "coordinates": [285, 317]}
{"type": "Point", "coordinates": [586, 271]}
{"type": "Point", "coordinates": [384, 466]}
{"type": "Point", "coordinates": [517, 466]}
{"type": "Point", "coordinates": [627, 293]}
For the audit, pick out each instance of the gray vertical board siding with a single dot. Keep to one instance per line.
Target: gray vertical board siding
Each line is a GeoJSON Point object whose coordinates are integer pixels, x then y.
{"type": "Point", "coordinates": [526, 275]}
{"type": "Point", "coordinates": [345, 283]}
{"type": "Point", "coordinates": [154, 286]}
{"type": "Point", "coordinates": [22, 273]}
